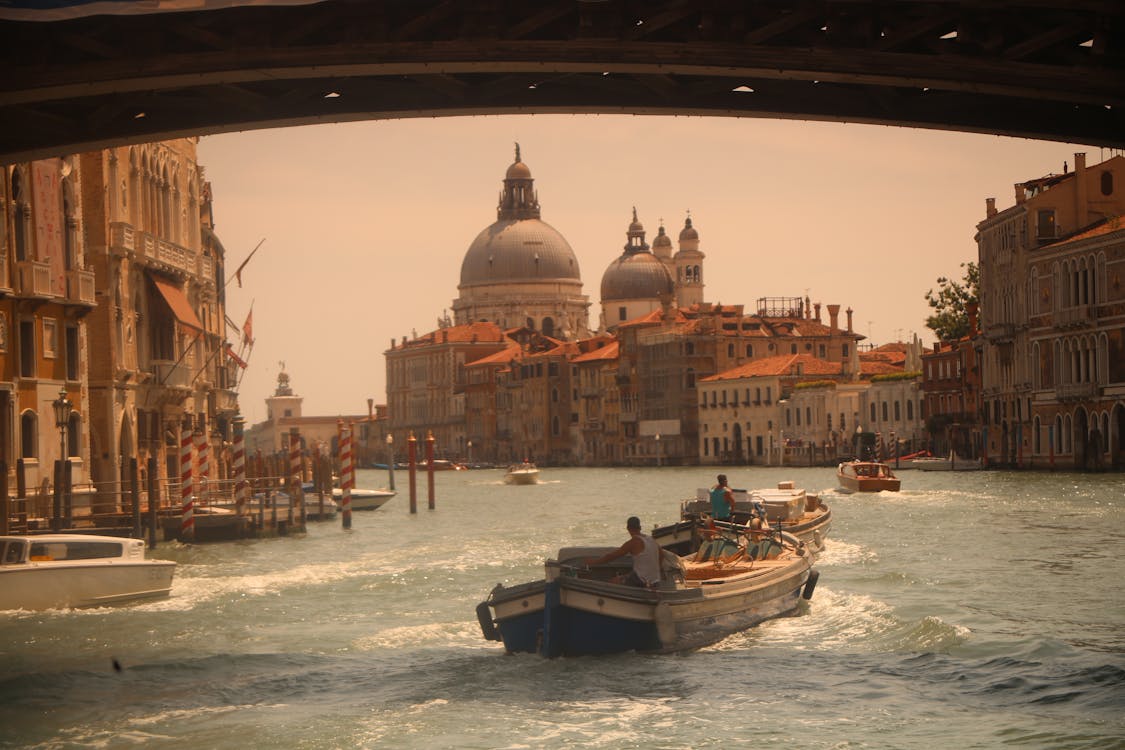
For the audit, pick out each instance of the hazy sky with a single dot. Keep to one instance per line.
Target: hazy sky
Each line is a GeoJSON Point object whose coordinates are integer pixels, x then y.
{"type": "Point", "coordinates": [366, 224]}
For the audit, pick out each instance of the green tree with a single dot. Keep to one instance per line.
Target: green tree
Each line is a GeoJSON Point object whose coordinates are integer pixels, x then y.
{"type": "Point", "coordinates": [950, 321]}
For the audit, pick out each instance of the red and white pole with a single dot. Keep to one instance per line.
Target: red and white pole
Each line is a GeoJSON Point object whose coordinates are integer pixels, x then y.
{"type": "Point", "coordinates": [241, 489]}
{"type": "Point", "coordinates": [187, 517]}
{"type": "Point", "coordinates": [347, 475]}
{"type": "Point", "coordinates": [295, 475]}
{"type": "Point", "coordinates": [203, 456]}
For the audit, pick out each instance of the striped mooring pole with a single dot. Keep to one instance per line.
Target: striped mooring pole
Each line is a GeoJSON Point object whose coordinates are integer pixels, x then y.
{"type": "Point", "coordinates": [203, 458]}
{"type": "Point", "coordinates": [241, 493]}
{"type": "Point", "coordinates": [347, 475]}
{"type": "Point", "coordinates": [296, 495]}
{"type": "Point", "coordinates": [187, 518]}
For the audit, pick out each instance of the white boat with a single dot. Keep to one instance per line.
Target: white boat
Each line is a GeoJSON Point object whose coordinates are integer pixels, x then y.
{"type": "Point", "coordinates": [867, 476]}
{"type": "Point", "coordinates": [786, 507]}
{"type": "Point", "coordinates": [57, 571]}
{"type": "Point", "coordinates": [952, 462]}
{"type": "Point", "coordinates": [522, 473]}
{"type": "Point", "coordinates": [575, 610]}
{"type": "Point", "coordinates": [361, 499]}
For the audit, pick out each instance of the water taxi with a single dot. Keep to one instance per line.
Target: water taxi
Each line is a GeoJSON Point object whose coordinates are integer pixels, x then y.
{"type": "Point", "coordinates": [522, 473]}
{"type": "Point", "coordinates": [866, 476]}
{"type": "Point", "coordinates": [58, 571]}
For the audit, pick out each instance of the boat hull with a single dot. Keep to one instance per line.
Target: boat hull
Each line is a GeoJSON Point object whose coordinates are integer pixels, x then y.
{"type": "Point", "coordinates": [522, 477]}
{"type": "Point", "coordinates": [92, 584]}
{"type": "Point", "coordinates": [859, 476]}
{"type": "Point", "coordinates": [576, 617]}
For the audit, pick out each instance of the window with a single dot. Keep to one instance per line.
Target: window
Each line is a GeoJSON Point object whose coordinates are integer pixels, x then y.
{"type": "Point", "coordinates": [1107, 183]}
{"type": "Point", "coordinates": [1045, 224]}
{"type": "Point", "coordinates": [27, 348]}
{"type": "Point", "coordinates": [730, 350]}
{"type": "Point", "coordinates": [792, 348]}
{"type": "Point", "coordinates": [884, 411]}
{"type": "Point", "coordinates": [844, 351]}
{"type": "Point", "coordinates": [621, 314]}
{"type": "Point", "coordinates": [898, 411]}
{"type": "Point", "coordinates": [872, 412]}
{"type": "Point", "coordinates": [71, 353]}
{"type": "Point", "coordinates": [73, 434]}
{"type": "Point", "coordinates": [749, 350]}
{"type": "Point", "coordinates": [50, 337]}
{"type": "Point", "coordinates": [29, 440]}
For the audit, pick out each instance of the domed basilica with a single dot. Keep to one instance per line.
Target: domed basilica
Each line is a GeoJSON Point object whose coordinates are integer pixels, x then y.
{"type": "Point", "coordinates": [520, 271]}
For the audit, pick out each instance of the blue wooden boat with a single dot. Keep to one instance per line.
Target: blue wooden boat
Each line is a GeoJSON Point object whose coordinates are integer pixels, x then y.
{"type": "Point", "coordinates": [729, 585]}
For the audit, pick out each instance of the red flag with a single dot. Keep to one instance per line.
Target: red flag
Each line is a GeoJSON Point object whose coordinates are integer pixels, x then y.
{"type": "Point", "coordinates": [248, 328]}
{"type": "Point", "coordinates": [237, 359]}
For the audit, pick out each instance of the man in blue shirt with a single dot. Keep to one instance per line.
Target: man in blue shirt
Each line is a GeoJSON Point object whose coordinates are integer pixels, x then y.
{"type": "Point", "coordinates": [722, 500]}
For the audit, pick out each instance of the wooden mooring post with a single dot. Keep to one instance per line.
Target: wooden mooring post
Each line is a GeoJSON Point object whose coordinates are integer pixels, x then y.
{"type": "Point", "coordinates": [412, 466]}
{"type": "Point", "coordinates": [135, 492]}
{"type": "Point", "coordinates": [153, 501]}
{"type": "Point", "coordinates": [430, 467]}
{"type": "Point", "coordinates": [5, 501]}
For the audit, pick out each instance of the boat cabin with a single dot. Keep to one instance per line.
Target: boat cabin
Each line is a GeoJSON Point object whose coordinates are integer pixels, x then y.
{"type": "Point", "coordinates": [15, 550]}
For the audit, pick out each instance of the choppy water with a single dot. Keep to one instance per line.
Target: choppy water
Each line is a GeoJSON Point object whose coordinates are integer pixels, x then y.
{"type": "Point", "coordinates": [978, 610]}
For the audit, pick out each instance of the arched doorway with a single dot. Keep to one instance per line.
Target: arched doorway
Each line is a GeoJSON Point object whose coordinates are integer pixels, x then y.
{"type": "Point", "coordinates": [1116, 435]}
{"type": "Point", "coordinates": [1081, 438]}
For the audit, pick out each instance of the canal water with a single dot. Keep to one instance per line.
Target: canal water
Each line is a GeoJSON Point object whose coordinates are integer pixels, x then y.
{"type": "Point", "coordinates": [970, 610]}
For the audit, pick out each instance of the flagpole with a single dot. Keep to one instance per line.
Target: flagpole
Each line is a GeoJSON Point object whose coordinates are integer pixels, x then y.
{"type": "Point", "coordinates": [238, 271]}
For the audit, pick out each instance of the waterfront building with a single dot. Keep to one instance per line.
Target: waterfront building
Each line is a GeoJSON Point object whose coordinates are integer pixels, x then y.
{"type": "Point", "coordinates": [951, 390]}
{"type": "Point", "coordinates": [1076, 330]}
{"type": "Point", "coordinates": [520, 271]}
{"type": "Point", "coordinates": [284, 413]}
{"type": "Point", "coordinates": [1013, 243]}
{"type": "Point", "coordinates": [424, 384]}
{"type": "Point", "coordinates": [46, 293]}
{"type": "Point", "coordinates": [601, 442]}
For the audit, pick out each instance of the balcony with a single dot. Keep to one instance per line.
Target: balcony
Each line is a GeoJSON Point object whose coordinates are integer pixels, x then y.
{"type": "Point", "coordinates": [592, 425]}
{"type": "Point", "coordinates": [1076, 391]}
{"type": "Point", "coordinates": [80, 287]}
{"type": "Point", "coordinates": [171, 374]}
{"type": "Point", "coordinates": [121, 239]}
{"type": "Point", "coordinates": [1000, 332]}
{"type": "Point", "coordinates": [226, 402]}
{"type": "Point", "coordinates": [33, 279]}
{"type": "Point", "coordinates": [1079, 316]}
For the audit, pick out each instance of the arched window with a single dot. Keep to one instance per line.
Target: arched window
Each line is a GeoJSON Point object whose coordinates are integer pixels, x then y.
{"type": "Point", "coordinates": [29, 434]}
{"type": "Point", "coordinates": [909, 410]}
{"type": "Point", "coordinates": [884, 411]}
{"type": "Point", "coordinates": [1107, 182]}
{"type": "Point", "coordinates": [548, 326]}
{"type": "Point", "coordinates": [898, 411]}
{"type": "Point", "coordinates": [872, 412]}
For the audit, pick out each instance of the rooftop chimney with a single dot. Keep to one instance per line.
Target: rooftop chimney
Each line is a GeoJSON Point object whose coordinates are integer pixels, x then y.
{"type": "Point", "coordinates": [1021, 194]}
{"type": "Point", "coordinates": [834, 317]}
{"type": "Point", "coordinates": [817, 308]}
{"type": "Point", "coordinates": [1081, 198]}
{"type": "Point", "coordinates": [850, 311]}
{"type": "Point", "coordinates": [990, 207]}
{"type": "Point", "coordinates": [370, 408]}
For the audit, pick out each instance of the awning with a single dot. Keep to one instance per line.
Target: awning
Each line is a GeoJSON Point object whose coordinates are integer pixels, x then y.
{"type": "Point", "coordinates": [178, 304]}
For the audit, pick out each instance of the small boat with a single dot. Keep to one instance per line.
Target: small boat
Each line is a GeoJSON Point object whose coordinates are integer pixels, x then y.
{"type": "Point", "coordinates": [522, 473]}
{"type": "Point", "coordinates": [56, 571]}
{"type": "Point", "coordinates": [786, 507]}
{"type": "Point", "coordinates": [728, 586]}
{"type": "Point", "coordinates": [361, 499]}
{"type": "Point", "coordinates": [952, 462]}
{"type": "Point", "coordinates": [866, 476]}
{"type": "Point", "coordinates": [441, 464]}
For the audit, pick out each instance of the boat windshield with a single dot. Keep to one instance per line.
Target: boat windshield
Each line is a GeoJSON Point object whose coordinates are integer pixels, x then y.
{"type": "Point", "coordinates": [12, 551]}
{"type": "Point", "coordinates": [81, 550]}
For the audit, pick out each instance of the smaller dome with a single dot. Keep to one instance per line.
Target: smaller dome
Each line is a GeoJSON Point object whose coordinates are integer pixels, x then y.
{"type": "Point", "coordinates": [688, 232]}
{"type": "Point", "coordinates": [518, 171]}
{"type": "Point", "coordinates": [636, 276]}
{"type": "Point", "coordinates": [661, 239]}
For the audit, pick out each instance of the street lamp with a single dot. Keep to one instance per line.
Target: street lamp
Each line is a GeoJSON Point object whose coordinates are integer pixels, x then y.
{"type": "Point", "coordinates": [469, 445]}
{"type": "Point", "coordinates": [658, 449]}
{"type": "Point", "coordinates": [391, 459]}
{"type": "Point", "coordinates": [62, 405]}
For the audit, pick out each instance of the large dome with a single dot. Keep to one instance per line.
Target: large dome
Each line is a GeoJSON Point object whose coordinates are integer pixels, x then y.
{"type": "Point", "coordinates": [636, 276]}
{"type": "Point", "coordinates": [519, 250]}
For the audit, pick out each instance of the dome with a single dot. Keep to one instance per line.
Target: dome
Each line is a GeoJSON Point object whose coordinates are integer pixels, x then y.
{"type": "Point", "coordinates": [688, 232]}
{"type": "Point", "coordinates": [519, 250]}
{"type": "Point", "coordinates": [636, 276]}
{"type": "Point", "coordinates": [518, 171]}
{"type": "Point", "coordinates": [661, 239]}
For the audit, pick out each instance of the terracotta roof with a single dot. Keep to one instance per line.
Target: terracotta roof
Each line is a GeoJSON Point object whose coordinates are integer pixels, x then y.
{"type": "Point", "coordinates": [1107, 226]}
{"type": "Point", "coordinates": [480, 332]}
{"type": "Point", "coordinates": [606, 353]}
{"type": "Point", "coordinates": [502, 357]}
{"type": "Point", "coordinates": [780, 366]}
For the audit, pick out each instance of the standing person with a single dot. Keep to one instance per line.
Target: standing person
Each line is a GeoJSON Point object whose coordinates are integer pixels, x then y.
{"type": "Point", "coordinates": [646, 557]}
{"type": "Point", "coordinates": [722, 500]}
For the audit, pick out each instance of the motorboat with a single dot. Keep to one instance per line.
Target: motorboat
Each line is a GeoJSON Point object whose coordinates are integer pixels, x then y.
{"type": "Point", "coordinates": [952, 462]}
{"type": "Point", "coordinates": [57, 571]}
{"type": "Point", "coordinates": [785, 507]}
{"type": "Point", "coordinates": [522, 473]}
{"type": "Point", "coordinates": [729, 585]}
{"type": "Point", "coordinates": [360, 499]}
{"type": "Point", "coordinates": [866, 476]}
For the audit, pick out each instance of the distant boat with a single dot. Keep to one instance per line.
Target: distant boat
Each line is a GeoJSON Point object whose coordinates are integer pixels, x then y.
{"type": "Point", "coordinates": [522, 473]}
{"type": "Point", "coordinates": [952, 462]}
{"type": "Point", "coordinates": [442, 464]}
{"type": "Point", "coordinates": [866, 476]}
{"type": "Point", "coordinates": [55, 571]}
